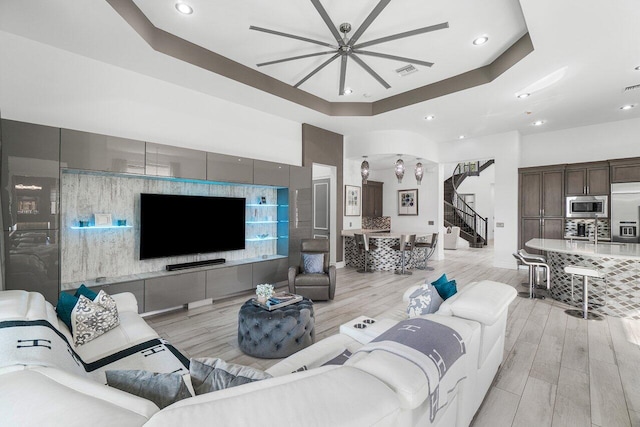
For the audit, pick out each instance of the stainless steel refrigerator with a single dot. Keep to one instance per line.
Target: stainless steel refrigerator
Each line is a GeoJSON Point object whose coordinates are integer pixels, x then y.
{"type": "Point", "coordinates": [625, 212]}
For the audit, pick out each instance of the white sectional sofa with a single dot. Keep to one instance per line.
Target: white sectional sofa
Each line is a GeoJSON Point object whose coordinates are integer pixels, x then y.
{"type": "Point", "coordinates": [371, 388]}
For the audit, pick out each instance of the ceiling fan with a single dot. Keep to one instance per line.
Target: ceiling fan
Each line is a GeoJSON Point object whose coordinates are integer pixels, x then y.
{"type": "Point", "coordinates": [348, 47]}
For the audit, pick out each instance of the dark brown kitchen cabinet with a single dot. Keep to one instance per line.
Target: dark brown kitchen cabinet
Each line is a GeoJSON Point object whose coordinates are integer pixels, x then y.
{"type": "Point", "coordinates": [625, 170]}
{"type": "Point", "coordinates": [372, 199]}
{"type": "Point", "coordinates": [587, 178]}
{"type": "Point", "coordinates": [541, 203]}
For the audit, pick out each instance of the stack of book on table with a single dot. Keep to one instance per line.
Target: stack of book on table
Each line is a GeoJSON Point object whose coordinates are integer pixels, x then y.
{"type": "Point", "coordinates": [278, 300]}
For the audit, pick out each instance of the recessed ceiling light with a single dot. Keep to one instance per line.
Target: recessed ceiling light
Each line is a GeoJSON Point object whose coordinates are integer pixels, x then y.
{"type": "Point", "coordinates": [461, 137]}
{"type": "Point", "coordinates": [430, 117]}
{"type": "Point", "coordinates": [348, 91]}
{"type": "Point", "coordinates": [481, 40]}
{"type": "Point", "coordinates": [184, 8]}
{"type": "Point", "coordinates": [627, 107]}
{"type": "Point", "coordinates": [637, 68]}
{"type": "Point", "coordinates": [524, 95]}
{"type": "Point", "coordinates": [538, 122]}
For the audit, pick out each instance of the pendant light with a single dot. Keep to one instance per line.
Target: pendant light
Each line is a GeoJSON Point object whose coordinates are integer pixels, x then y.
{"type": "Point", "coordinates": [399, 169]}
{"type": "Point", "coordinates": [364, 170]}
{"type": "Point", "coordinates": [419, 172]}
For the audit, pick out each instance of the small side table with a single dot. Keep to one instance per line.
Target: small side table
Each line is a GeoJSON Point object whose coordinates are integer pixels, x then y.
{"type": "Point", "coordinates": [278, 333]}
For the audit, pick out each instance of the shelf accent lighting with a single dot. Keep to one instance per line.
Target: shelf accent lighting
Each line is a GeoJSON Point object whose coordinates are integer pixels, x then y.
{"type": "Point", "coordinates": [364, 170]}
{"type": "Point", "coordinates": [399, 169]}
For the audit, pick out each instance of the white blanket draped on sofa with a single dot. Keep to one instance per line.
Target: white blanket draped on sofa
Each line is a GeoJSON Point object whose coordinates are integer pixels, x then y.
{"type": "Point", "coordinates": [37, 342]}
{"type": "Point", "coordinates": [431, 346]}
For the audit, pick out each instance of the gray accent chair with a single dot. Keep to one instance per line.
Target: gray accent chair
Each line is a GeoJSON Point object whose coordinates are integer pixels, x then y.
{"type": "Point", "coordinates": [315, 286]}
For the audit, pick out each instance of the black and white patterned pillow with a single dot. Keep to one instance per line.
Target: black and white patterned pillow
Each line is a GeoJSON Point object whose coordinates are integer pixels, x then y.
{"type": "Point", "coordinates": [90, 319]}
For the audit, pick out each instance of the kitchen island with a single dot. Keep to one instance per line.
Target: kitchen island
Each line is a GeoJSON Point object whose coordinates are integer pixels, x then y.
{"type": "Point", "coordinates": [620, 263]}
{"type": "Point", "coordinates": [383, 258]}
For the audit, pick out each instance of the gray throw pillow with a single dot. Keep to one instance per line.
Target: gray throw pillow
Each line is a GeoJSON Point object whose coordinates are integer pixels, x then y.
{"type": "Point", "coordinates": [161, 389]}
{"type": "Point", "coordinates": [424, 300]}
{"type": "Point", "coordinates": [313, 263]}
{"type": "Point", "coordinates": [212, 374]}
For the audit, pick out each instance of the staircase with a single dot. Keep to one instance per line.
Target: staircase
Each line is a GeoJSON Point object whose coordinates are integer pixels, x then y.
{"type": "Point", "coordinates": [457, 213]}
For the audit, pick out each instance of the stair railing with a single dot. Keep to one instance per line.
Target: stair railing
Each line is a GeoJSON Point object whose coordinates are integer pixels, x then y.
{"type": "Point", "coordinates": [458, 212]}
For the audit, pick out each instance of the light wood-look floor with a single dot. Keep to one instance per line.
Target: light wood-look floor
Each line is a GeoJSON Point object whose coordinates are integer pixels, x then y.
{"type": "Point", "coordinates": [557, 371]}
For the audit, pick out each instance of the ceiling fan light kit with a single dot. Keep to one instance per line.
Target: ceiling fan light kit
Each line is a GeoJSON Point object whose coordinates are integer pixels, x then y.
{"type": "Point", "coordinates": [348, 47]}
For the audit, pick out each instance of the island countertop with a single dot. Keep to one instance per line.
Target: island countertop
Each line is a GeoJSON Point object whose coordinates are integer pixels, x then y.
{"type": "Point", "coordinates": [579, 247]}
{"type": "Point", "coordinates": [383, 234]}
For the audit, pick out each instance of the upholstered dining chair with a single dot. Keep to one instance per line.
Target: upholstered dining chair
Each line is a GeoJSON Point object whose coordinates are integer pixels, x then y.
{"type": "Point", "coordinates": [314, 278]}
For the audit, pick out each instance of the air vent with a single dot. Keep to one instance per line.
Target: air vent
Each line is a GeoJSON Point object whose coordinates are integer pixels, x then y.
{"type": "Point", "coordinates": [634, 87]}
{"type": "Point", "coordinates": [406, 70]}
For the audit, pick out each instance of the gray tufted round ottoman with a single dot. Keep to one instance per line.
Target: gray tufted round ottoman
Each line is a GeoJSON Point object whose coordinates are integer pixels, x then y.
{"type": "Point", "coordinates": [278, 333]}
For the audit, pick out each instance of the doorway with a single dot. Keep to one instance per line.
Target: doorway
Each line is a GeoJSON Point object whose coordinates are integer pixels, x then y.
{"type": "Point", "coordinates": [323, 205]}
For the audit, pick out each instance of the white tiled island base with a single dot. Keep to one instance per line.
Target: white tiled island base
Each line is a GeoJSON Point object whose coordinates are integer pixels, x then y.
{"type": "Point", "coordinates": [620, 265]}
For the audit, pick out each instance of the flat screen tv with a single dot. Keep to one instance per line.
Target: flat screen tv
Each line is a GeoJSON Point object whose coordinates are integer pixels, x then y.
{"type": "Point", "coordinates": [172, 225]}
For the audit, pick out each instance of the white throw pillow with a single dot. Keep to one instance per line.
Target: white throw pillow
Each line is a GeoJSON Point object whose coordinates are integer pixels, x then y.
{"type": "Point", "coordinates": [424, 300]}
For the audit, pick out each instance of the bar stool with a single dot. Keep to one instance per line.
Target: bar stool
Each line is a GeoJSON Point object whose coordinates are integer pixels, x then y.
{"type": "Point", "coordinates": [428, 248]}
{"type": "Point", "coordinates": [407, 243]}
{"type": "Point", "coordinates": [532, 265]}
{"type": "Point", "coordinates": [585, 272]}
{"type": "Point", "coordinates": [363, 245]}
{"type": "Point", "coordinates": [533, 271]}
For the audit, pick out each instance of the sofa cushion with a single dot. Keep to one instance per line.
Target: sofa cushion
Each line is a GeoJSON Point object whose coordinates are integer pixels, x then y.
{"type": "Point", "coordinates": [161, 389]}
{"type": "Point", "coordinates": [483, 301]}
{"type": "Point", "coordinates": [213, 374]}
{"type": "Point", "coordinates": [313, 263]}
{"type": "Point", "coordinates": [424, 300]}
{"type": "Point", "coordinates": [91, 319]}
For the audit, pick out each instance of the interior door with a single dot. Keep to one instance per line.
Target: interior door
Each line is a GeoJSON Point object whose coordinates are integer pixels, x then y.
{"type": "Point", "coordinates": [321, 209]}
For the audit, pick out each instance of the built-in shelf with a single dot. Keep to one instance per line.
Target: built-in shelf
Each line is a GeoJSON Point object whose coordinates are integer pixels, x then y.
{"type": "Point", "coordinates": [262, 222]}
{"type": "Point", "coordinates": [261, 205]}
{"type": "Point", "coordinates": [256, 239]}
{"type": "Point", "coordinates": [93, 227]}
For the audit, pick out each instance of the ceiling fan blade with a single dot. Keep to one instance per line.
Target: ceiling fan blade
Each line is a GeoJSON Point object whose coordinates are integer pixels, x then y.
{"type": "Point", "coordinates": [370, 71]}
{"type": "Point", "coordinates": [292, 36]}
{"type": "Point", "coordinates": [277, 61]}
{"type": "Point", "coordinates": [372, 16]}
{"type": "Point", "coordinates": [403, 35]}
{"type": "Point", "coordinates": [394, 57]}
{"type": "Point", "coordinates": [325, 17]}
{"type": "Point", "coordinates": [343, 73]}
{"type": "Point", "coordinates": [324, 64]}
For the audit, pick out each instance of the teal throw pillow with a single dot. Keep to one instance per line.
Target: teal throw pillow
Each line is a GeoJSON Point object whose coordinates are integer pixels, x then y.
{"type": "Point", "coordinates": [83, 290]}
{"type": "Point", "coordinates": [447, 289]}
{"type": "Point", "coordinates": [65, 306]}
{"type": "Point", "coordinates": [441, 281]}
{"type": "Point", "coordinates": [313, 263]}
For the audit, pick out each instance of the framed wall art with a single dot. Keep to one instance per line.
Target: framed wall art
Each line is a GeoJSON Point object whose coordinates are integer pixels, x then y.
{"type": "Point", "coordinates": [352, 200]}
{"type": "Point", "coordinates": [408, 202]}
{"type": "Point", "coordinates": [102, 220]}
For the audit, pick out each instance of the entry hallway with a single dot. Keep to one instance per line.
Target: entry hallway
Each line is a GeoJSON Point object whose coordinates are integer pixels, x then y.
{"type": "Point", "coordinates": [558, 370]}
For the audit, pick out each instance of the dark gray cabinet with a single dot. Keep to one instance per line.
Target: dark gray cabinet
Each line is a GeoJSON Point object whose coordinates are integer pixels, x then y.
{"type": "Point", "coordinates": [136, 287]}
{"type": "Point", "coordinates": [269, 173]}
{"type": "Point", "coordinates": [271, 271]}
{"type": "Point", "coordinates": [372, 199]}
{"type": "Point", "coordinates": [541, 204]}
{"type": "Point", "coordinates": [587, 178]}
{"type": "Point", "coordinates": [90, 151]}
{"type": "Point", "coordinates": [222, 282]}
{"type": "Point", "coordinates": [30, 195]}
{"type": "Point", "coordinates": [174, 290]}
{"type": "Point", "coordinates": [625, 170]}
{"type": "Point", "coordinates": [223, 168]}
{"type": "Point", "coordinates": [176, 162]}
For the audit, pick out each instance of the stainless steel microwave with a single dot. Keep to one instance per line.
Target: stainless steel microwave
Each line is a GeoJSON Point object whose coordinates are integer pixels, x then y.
{"type": "Point", "coordinates": [587, 207]}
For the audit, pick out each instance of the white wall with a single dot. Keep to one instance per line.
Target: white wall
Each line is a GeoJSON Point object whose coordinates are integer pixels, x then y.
{"type": "Point", "coordinates": [45, 85]}
{"type": "Point", "coordinates": [351, 176]}
{"type": "Point", "coordinates": [604, 141]}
